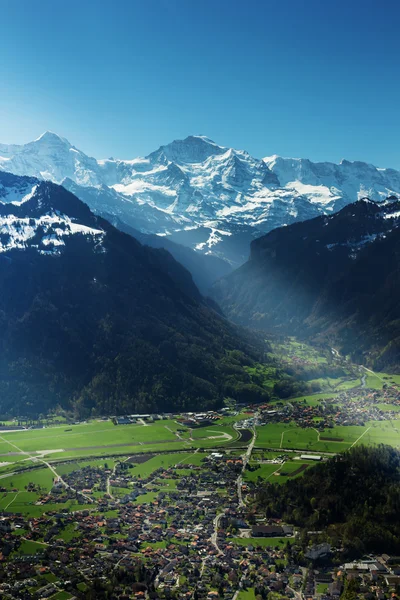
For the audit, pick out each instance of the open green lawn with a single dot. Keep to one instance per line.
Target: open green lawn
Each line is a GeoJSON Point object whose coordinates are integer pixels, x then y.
{"type": "Point", "coordinates": [248, 594]}
{"type": "Point", "coordinates": [30, 547]}
{"type": "Point", "coordinates": [146, 498]}
{"type": "Point", "coordinates": [61, 596]}
{"type": "Point", "coordinates": [68, 533]}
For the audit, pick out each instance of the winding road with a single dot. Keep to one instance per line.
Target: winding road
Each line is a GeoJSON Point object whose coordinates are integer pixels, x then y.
{"type": "Point", "coordinates": [246, 457]}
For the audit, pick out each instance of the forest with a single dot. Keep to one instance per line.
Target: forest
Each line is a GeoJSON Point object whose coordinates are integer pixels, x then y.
{"type": "Point", "coordinates": [354, 498]}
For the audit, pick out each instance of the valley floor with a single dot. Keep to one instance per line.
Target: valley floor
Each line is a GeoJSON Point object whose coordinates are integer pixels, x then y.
{"type": "Point", "coordinates": [172, 495]}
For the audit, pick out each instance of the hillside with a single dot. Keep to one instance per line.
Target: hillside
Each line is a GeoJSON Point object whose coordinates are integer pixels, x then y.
{"type": "Point", "coordinates": [194, 192]}
{"type": "Point", "coordinates": [335, 279]}
{"type": "Point", "coordinates": [93, 320]}
{"type": "Point", "coordinates": [353, 497]}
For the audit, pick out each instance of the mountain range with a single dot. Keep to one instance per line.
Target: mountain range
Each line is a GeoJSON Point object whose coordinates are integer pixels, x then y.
{"type": "Point", "coordinates": [333, 279]}
{"type": "Point", "coordinates": [93, 320]}
{"type": "Point", "coordinates": [193, 192]}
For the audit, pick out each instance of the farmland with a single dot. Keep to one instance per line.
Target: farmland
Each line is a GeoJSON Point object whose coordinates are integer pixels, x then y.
{"type": "Point", "coordinates": [337, 439]}
{"type": "Point", "coordinates": [103, 438]}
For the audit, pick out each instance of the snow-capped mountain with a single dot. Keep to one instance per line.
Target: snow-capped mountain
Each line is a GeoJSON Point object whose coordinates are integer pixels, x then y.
{"type": "Point", "coordinates": [197, 193]}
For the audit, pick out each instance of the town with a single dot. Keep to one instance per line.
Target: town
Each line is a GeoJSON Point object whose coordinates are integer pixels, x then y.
{"type": "Point", "coordinates": [183, 524]}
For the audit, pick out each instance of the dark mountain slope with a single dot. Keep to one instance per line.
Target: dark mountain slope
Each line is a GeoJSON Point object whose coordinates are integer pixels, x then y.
{"type": "Point", "coordinates": [90, 318]}
{"type": "Point", "coordinates": [334, 278]}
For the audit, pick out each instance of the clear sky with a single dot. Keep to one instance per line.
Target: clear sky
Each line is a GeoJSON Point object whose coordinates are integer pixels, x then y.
{"type": "Point", "coordinates": [311, 78]}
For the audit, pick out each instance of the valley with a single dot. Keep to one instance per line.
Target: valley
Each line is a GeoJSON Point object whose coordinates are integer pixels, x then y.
{"type": "Point", "coordinates": [199, 300]}
{"type": "Point", "coordinates": [171, 499]}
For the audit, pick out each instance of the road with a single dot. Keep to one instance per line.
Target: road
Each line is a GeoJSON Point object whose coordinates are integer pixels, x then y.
{"type": "Point", "coordinates": [109, 482]}
{"type": "Point", "coordinates": [246, 457]}
{"type": "Point", "coordinates": [214, 536]}
{"type": "Point", "coordinates": [297, 595]}
{"type": "Point", "coordinates": [236, 594]}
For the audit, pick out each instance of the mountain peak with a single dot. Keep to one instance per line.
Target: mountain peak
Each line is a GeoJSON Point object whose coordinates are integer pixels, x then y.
{"type": "Point", "coordinates": [51, 137]}
{"type": "Point", "coordinates": [204, 138]}
{"type": "Point", "coordinates": [193, 149]}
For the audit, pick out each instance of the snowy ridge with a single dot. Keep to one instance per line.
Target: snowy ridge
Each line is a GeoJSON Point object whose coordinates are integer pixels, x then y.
{"type": "Point", "coordinates": [199, 193]}
{"type": "Point", "coordinates": [50, 231]}
{"type": "Point", "coordinates": [29, 217]}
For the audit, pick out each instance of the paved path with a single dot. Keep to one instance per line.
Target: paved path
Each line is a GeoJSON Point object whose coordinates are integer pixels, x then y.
{"type": "Point", "coordinates": [362, 435]}
{"type": "Point", "coordinates": [283, 433]}
{"type": "Point", "coordinates": [9, 504]}
{"type": "Point", "coordinates": [214, 536]}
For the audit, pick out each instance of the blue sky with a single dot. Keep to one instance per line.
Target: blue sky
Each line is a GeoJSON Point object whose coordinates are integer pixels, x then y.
{"type": "Point", "coordinates": [316, 78]}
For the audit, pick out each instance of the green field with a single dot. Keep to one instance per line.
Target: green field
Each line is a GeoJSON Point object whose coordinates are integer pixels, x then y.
{"type": "Point", "coordinates": [337, 439]}
{"type": "Point", "coordinates": [275, 473]}
{"type": "Point", "coordinates": [96, 433]}
{"type": "Point", "coordinates": [265, 472]}
{"type": "Point", "coordinates": [102, 439]}
{"type": "Point", "coordinates": [145, 469]}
